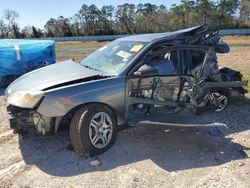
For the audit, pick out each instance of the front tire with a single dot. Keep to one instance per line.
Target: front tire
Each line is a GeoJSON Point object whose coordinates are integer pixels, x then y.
{"type": "Point", "coordinates": [93, 129]}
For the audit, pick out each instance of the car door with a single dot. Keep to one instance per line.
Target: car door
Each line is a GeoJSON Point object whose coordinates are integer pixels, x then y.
{"type": "Point", "coordinates": [155, 95]}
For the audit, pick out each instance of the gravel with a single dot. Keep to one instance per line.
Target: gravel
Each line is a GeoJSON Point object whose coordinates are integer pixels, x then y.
{"type": "Point", "coordinates": [144, 156]}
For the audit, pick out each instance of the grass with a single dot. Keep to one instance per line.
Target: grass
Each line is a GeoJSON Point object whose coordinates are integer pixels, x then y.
{"type": "Point", "coordinates": [237, 40]}
{"type": "Point", "coordinates": [246, 76]}
{"type": "Point", "coordinates": [239, 45]}
{"type": "Point", "coordinates": [239, 56]}
{"type": "Point", "coordinates": [76, 50]}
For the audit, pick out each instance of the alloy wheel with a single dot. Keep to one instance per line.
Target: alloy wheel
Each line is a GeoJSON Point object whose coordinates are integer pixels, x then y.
{"type": "Point", "coordinates": [100, 130]}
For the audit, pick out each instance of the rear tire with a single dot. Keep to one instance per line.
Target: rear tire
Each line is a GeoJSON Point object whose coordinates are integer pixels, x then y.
{"type": "Point", "coordinates": [219, 99]}
{"type": "Point", "coordinates": [93, 130]}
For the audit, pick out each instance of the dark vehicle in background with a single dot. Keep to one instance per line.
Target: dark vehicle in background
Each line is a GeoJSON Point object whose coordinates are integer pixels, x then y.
{"type": "Point", "coordinates": [163, 78]}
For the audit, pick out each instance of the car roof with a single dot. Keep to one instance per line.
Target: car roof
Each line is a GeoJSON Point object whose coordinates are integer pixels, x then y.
{"type": "Point", "coordinates": [167, 35]}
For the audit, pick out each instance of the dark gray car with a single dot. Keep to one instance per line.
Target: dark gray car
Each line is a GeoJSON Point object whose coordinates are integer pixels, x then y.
{"type": "Point", "coordinates": [156, 78]}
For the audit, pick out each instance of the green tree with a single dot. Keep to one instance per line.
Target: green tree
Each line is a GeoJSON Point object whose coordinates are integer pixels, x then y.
{"type": "Point", "coordinates": [227, 10]}
{"type": "Point", "coordinates": [205, 10]}
{"type": "Point", "coordinates": [125, 18]}
{"type": "Point", "coordinates": [183, 12]}
{"type": "Point", "coordinates": [51, 28]}
{"type": "Point", "coordinates": [106, 19]}
{"type": "Point", "coordinates": [3, 29]}
{"type": "Point", "coordinates": [11, 16]}
{"type": "Point", "coordinates": [245, 12]}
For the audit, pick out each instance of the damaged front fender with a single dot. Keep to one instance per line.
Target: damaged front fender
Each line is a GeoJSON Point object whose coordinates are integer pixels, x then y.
{"type": "Point", "coordinates": [59, 101]}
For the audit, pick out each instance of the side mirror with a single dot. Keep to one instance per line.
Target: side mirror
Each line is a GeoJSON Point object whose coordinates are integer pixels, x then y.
{"type": "Point", "coordinates": [222, 48]}
{"type": "Point", "coordinates": [146, 71]}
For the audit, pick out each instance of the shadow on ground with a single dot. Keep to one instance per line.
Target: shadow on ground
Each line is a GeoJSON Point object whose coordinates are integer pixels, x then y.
{"type": "Point", "coordinates": [172, 149]}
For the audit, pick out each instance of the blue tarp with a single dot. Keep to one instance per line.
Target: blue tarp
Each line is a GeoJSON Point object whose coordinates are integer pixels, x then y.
{"type": "Point", "coordinates": [18, 56]}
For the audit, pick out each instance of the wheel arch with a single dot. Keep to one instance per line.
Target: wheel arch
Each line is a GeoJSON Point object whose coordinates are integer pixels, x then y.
{"type": "Point", "coordinates": [68, 116]}
{"type": "Point", "coordinates": [225, 91]}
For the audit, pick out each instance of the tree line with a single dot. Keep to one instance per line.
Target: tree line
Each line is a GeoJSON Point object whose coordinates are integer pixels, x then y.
{"type": "Point", "coordinates": [131, 19]}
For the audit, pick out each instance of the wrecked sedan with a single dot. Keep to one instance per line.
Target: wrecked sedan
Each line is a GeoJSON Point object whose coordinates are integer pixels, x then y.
{"type": "Point", "coordinates": [163, 78]}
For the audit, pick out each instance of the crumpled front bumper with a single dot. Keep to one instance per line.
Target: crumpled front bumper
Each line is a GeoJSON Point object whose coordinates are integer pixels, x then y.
{"type": "Point", "coordinates": [29, 121]}
{"type": "Point", "coordinates": [20, 119]}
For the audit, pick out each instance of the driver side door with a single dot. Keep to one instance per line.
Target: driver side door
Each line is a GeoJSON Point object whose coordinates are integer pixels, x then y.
{"type": "Point", "coordinates": [156, 88]}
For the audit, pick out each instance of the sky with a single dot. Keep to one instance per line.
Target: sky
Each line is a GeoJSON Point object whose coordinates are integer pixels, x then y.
{"type": "Point", "coordinates": [38, 12]}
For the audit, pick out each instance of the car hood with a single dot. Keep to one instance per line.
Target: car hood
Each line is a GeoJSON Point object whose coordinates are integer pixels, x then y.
{"type": "Point", "coordinates": [53, 75]}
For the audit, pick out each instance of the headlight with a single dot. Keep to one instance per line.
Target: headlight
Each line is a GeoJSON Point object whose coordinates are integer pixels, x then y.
{"type": "Point", "coordinates": [25, 99]}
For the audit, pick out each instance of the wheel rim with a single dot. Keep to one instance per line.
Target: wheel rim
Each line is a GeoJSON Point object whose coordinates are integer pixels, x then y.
{"type": "Point", "coordinates": [218, 100]}
{"type": "Point", "coordinates": [100, 130]}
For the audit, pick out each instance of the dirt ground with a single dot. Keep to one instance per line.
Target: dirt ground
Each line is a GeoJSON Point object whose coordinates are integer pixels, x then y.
{"type": "Point", "coordinates": [145, 156]}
